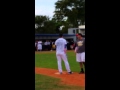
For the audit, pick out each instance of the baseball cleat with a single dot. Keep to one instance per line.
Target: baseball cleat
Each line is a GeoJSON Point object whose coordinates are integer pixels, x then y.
{"type": "Point", "coordinates": [81, 72]}
{"type": "Point", "coordinates": [70, 72]}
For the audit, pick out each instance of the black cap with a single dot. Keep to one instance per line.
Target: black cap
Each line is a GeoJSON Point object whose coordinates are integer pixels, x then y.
{"type": "Point", "coordinates": [60, 35]}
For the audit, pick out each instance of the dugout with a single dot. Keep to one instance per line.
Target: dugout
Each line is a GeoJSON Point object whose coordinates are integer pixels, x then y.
{"type": "Point", "coordinates": [53, 37]}
{"type": "Point", "coordinates": [71, 38]}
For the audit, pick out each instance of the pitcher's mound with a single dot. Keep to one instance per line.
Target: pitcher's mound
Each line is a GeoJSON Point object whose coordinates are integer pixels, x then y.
{"type": "Point", "coordinates": [72, 79]}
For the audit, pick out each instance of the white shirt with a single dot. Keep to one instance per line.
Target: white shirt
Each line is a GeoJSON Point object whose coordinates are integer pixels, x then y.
{"type": "Point", "coordinates": [39, 46]}
{"type": "Point", "coordinates": [39, 42]}
{"type": "Point", "coordinates": [60, 45]}
{"type": "Point", "coordinates": [45, 43]}
{"type": "Point", "coordinates": [48, 43]}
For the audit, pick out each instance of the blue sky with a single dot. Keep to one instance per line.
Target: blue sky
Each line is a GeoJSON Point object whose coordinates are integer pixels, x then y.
{"type": "Point", "coordinates": [45, 7]}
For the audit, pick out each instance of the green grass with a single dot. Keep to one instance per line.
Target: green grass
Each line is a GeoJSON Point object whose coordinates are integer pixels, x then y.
{"type": "Point", "coordinates": [43, 82]}
{"type": "Point", "coordinates": [48, 60]}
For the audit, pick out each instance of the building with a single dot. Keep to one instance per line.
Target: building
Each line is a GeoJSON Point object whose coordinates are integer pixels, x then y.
{"type": "Point", "coordinates": [80, 29]}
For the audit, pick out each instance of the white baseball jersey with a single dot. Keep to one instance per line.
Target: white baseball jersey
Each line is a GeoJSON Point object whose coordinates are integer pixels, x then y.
{"type": "Point", "coordinates": [61, 55]}
{"type": "Point", "coordinates": [60, 45]}
{"type": "Point", "coordinates": [39, 47]}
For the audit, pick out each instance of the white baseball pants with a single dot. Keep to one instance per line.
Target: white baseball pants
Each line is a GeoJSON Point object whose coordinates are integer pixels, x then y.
{"type": "Point", "coordinates": [63, 57]}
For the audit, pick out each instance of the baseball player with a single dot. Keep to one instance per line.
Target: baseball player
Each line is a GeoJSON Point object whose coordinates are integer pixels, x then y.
{"type": "Point", "coordinates": [61, 45]}
{"type": "Point", "coordinates": [39, 46]}
{"type": "Point", "coordinates": [80, 51]}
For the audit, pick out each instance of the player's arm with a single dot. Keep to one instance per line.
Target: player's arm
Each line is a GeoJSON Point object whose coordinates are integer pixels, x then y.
{"type": "Point", "coordinates": [84, 44]}
{"type": "Point", "coordinates": [65, 46]}
{"type": "Point", "coordinates": [75, 47]}
{"type": "Point", "coordinates": [56, 43]}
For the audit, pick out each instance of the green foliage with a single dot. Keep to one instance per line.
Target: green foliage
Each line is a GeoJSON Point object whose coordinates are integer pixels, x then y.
{"type": "Point", "coordinates": [44, 25]}
{"type": "Point", "coordinates": [47, 26]}
{"type": "Point", "coordinates": [67, 13]}
{"type": "Point", "coordinates": [73, 9]}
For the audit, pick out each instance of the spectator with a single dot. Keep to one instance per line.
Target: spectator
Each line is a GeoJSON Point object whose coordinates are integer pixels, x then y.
{"type": "Point", "coordinates": [45, 45]}
{"type": "Point", "coordinates": [39, 46]}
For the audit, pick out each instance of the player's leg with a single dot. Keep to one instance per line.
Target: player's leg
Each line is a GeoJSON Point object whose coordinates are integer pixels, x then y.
{"type": "Point", "coordinates": [59, 63]}
{"type": "Point", "coordinates": [64, 58]}
{"type": "Point", "coordinates": [78, 59]}
{"type": "Point", "coordinates": [82, 61]}
{"type": "Point", "coordinates": [40, 47]}
{"type": "Point", "coordinates": [83, 58]}
{"type": "Point", "coordinates": [81, 66]}
{"type": "Point", "coordinates": [37, 47]}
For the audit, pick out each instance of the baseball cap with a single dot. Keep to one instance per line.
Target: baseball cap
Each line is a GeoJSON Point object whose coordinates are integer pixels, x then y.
{"type": "Point", "coordinates": [79, 34]}
{"type": "Point", "coordinates": [76, 34]}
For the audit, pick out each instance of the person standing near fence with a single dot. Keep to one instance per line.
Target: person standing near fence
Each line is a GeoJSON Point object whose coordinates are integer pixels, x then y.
{"type": "Point", "coordinates": [39, 46]}
{"type": "Point", "coordinates": [61, 45]}
{"type": "Point", "coordinates": [46, 45]}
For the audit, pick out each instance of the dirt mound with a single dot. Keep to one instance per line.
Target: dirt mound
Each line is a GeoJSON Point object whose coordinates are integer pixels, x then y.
{"type": "Point", "coordinates": [68, 79]}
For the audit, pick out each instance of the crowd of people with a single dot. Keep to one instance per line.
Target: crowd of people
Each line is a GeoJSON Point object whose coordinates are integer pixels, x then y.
{"type": "Point", "coordinates": [49, 45]}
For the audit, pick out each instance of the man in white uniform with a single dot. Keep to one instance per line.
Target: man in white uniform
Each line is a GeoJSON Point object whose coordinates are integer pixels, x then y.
{"type": "Point", "coordinates": [39, 46]}
{"type": "Point", "coordinates": [61, 54]}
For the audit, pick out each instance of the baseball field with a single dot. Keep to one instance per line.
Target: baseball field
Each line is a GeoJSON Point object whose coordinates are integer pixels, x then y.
{"type": "Point", "coordinates": [47, 77]}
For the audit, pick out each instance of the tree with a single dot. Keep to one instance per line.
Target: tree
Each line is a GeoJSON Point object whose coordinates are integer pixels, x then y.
{"type": "Point", "coordinates": [44, 25]}
{"type": "Point", "coordinates": [39, 22]}
{"type": "Point", "coordinates": [74, 10]}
